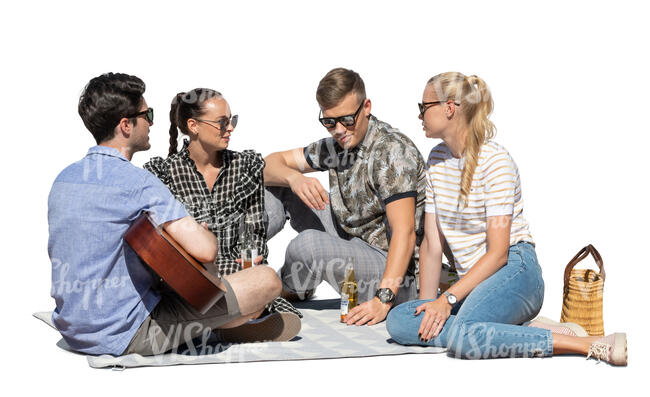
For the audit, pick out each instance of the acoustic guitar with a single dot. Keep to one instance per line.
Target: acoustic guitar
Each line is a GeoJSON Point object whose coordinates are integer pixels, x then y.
{"type": "Point", "coordinates": [177, 268]}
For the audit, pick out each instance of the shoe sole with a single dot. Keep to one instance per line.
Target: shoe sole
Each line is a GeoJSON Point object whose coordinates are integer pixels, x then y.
{"type": "Point", "coordinates": [276, 327]}
{"type": "Point", "coordinates": [297, 297]}
{"type": "Point", "coordinates": [576, 328]}
{"type": "Point", "coordinates": [619, 352]}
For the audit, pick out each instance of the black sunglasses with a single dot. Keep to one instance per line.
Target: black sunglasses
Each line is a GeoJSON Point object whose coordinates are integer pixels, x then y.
{"type": "Point", "coordinates": [426, 105]}
{"type": "Point", "coordinates": [148, 114]}
{"type": "Point", "coordinates": [347, 121]}
{"type": "Point", "coordinates": [223, 122]}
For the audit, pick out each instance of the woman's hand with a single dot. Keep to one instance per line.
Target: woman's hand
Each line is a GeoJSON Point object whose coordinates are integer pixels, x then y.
{"type": "Point", "coordinates": [436, 314]}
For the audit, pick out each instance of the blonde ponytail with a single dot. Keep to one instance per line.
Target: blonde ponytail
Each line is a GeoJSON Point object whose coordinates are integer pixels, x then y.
{"type": "Point", "coordinates": [475, 107]}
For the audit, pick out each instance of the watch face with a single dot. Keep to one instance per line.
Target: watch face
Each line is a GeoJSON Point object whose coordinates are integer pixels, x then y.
{"type": "Point", "coordinates": [451, 299]}
{"type": "Point", "coordinates": [385, 295]}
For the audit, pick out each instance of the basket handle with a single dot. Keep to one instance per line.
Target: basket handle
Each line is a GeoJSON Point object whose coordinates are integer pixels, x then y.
{"type": "Point", "coordinates": [582, 254]}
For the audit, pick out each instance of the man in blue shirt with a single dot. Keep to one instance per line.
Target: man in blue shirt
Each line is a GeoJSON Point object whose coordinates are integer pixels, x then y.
{"type": "Point", "coordinates": [105, 300]}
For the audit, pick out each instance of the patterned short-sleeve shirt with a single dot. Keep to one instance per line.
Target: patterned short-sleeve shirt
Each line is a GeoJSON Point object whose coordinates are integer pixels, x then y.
{"type": "Point", "coordinates": [386, 166]}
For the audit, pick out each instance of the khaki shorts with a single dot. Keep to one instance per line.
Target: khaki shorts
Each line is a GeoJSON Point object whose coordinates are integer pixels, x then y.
{"type": "Point", "coordinates": [173, 322]}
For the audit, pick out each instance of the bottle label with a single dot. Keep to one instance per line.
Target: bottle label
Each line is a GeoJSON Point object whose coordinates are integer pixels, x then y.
{"type": "Point", "coordinates": [345, 302]}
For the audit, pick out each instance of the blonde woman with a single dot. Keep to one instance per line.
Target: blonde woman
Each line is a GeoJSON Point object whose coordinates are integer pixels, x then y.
{"type": "Point", "coordinates": [474, 205]}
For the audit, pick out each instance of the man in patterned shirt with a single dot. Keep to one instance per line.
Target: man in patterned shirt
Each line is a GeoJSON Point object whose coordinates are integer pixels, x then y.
{"type": "Point", "coordinates": [374, 210]}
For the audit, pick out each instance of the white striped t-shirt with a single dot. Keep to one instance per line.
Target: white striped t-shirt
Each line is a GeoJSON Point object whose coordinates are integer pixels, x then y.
{"type": "Point", "coordinates": [496, 190]}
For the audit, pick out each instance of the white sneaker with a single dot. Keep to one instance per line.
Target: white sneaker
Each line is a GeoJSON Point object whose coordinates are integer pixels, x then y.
{"type": "Point", "coordinates": [571, 329]}
{"type": "Point", "coordinates": [611, 348]}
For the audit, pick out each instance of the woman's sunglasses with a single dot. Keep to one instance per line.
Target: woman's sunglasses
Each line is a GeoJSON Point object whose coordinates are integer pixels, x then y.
{"type": "Point", "coordinates": [223, 122]}
{"type": "Point", "coordinates": [426, 105]}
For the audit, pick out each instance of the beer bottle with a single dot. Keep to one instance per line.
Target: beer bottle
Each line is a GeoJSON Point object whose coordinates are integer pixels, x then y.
{"type": "Point", "coordinates": [248, 249]}
{"type": "Point", "coordinates": [349, 293]}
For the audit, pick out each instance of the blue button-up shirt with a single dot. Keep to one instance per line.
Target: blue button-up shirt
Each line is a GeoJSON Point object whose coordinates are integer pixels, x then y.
{"type": "Point", "coordinates": [101, 288]}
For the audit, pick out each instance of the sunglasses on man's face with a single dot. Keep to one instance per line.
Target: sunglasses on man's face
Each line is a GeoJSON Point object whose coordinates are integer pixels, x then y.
{"type": "Point", "coordinates": [347, 121]}
{"type": "Point", "coordinates": [148, 115]}
{"type": "Point", "coordinates": [222, 123]}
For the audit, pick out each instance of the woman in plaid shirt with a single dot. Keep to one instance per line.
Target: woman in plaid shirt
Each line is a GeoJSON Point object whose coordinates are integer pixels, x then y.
{"type": "Point", "coordinates": [220, 187]}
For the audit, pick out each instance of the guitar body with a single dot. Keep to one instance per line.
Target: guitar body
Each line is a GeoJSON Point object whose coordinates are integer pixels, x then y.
{"type": "Point", "coordinates": [178, 269]}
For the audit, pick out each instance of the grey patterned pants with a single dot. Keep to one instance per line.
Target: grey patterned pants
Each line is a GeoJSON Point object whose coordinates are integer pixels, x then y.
{"type": "Point", "coordinates": [320, 250]}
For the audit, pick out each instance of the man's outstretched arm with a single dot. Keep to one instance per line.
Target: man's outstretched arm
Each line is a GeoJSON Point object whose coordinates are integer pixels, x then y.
{"type": "Point", "coordinates": [401, 218]}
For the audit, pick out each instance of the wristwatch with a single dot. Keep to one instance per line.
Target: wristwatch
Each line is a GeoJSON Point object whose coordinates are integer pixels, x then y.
{"type": "Point", "coordinates": [385, 295]}
{"type": "Point", "coordinates": [451, 298]}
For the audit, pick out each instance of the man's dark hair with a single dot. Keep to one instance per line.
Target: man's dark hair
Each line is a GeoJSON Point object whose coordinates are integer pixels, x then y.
{"type": "Point", "coordinates": [108, 98]}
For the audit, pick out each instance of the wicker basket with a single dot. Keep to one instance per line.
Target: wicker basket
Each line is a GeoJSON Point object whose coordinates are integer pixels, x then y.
{"type": "Point", "coordinates": [583, 293]}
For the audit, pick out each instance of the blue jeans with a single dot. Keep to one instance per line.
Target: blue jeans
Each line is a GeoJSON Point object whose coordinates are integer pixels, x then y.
{"type": "Point", "coordinates": [484, 324]}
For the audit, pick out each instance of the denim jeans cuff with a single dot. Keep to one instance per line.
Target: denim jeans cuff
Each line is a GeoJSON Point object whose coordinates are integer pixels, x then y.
{"type": "Point", "coordinates": [549, 344]}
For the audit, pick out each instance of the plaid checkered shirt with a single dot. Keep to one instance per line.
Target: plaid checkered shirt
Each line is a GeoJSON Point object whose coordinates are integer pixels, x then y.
{"type": "Point", "coordinates": [236, 197]}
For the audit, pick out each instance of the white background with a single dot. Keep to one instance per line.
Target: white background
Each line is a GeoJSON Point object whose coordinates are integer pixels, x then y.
{"type": "Point", "coordinates": [570, 84]}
